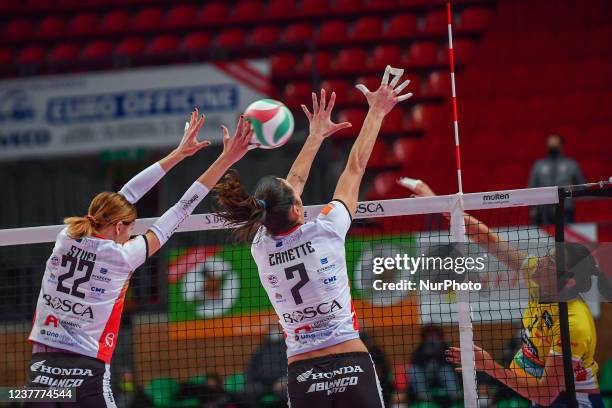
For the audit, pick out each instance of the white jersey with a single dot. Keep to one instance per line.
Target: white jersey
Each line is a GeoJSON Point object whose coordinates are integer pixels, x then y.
{"type": "Point", "coordinates": [304, 274]}
{"type": "Point", "coordinates": [81, 299]}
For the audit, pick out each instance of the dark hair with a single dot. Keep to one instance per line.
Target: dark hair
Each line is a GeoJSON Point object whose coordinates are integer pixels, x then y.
{"type": "Point", "coordinates": [580, 265]}
{"type": "Point", "coordinates": [269, 206]}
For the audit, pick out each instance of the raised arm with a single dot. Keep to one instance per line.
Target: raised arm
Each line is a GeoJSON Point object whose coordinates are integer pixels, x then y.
{"type": "Point", "coordinates": [140, 184]}
{"type": "Point", "coordinates": [321, 126]}
{"type": "Point", "coordinates": [475, 230]}
{"type": "Point", "coordinates": [233, 150]}
{"type": "Point", "coordinates": [381, 102]}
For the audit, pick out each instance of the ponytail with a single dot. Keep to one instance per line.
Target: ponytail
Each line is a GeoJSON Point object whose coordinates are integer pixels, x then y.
{"type": "Point", "coordinates": [269, 206]}
{"type": "Point", "coordinates": [105, 209]}
{"type": "Point", "coordinates": [240, 210]}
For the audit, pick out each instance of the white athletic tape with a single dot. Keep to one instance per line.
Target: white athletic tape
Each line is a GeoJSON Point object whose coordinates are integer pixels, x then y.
{"type": "Point", "coordinates": [186, 125]}
{"type": "Point", "coordinates": [385, 78]}
{"type": "Point", "coordinates": [362, 88]}
{"type": "Point", "coordinates": [404, 97]}
{"type": "Point", "coordinates": [402, 86]}
{"type": "Point", "coordinates": [408, 182]}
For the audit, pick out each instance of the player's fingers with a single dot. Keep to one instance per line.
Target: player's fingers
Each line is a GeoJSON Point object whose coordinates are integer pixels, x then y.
{"type": "Point", "coordinates": [225, 134]}
{"type": "Point", "coordinates": [363, 89]}
{"type": "Point", "coordinates": [186, 126]}
{"type": "Point", "coordinates": [401, 87]}
{"type": "Point", "coordinates": [322, 99]}
{"type": "Point", "coordinates": [306, 111]}
{"type": "Point", "coordinates": [202, 144]}
{"type": "Point", "coordinates": [239, 125]}
{"type": "Point", "coordinates": [200, 124]}
{"type": "Point", "coordinates": [343, 125]}
{"type": "Point", "coordinates": [332, 101]}
{"type": "Point", "coordinates": [385, 78]}
{"type": "Point", "coordinates": [404, 97]}
{"type": "Point", "coordinates": [315, 104]}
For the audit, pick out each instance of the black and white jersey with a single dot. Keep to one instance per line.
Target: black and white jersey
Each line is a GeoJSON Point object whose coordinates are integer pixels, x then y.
{"type": "Point", "coordinates": [304, 273]}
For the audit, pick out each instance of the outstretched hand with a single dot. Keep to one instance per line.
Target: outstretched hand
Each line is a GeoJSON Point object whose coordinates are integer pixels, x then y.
{"type": "Point", "coordinates": [418, 187]}
{"type": "Point", "coordinates": [189, 144]}
{"type": "Point", "coordinates": [387, 95]}
{"type": "Point", "coordinates": [320, 121]}
{"type": "Point", "coordinates": [482, 359]}
{"type": "Point", "coordinates": [234, 148]}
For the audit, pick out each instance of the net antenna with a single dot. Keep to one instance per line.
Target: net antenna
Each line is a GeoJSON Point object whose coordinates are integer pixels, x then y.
{"type": "Point", "coordinates": [457, 231]}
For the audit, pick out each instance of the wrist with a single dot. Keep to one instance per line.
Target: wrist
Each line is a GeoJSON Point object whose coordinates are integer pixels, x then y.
{"type": "Point", "coordinates": [176, 154]}
{"type": "Point", "coordinates": [376, 113]}
{"type": "Point", "coordinates": [315, 137]}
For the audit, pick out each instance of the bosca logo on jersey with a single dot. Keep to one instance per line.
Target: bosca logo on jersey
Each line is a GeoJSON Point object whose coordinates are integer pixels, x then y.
{"type": "Point", "coordinates": [311, 311]}
{"type": "Point", "coordinates": [66, 305]}
{"type": "Point", "coordinates": [370, 208]}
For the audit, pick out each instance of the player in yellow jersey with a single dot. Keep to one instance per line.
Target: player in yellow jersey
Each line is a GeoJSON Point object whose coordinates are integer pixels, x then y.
{"type": "Point", "coordinates": [536, 371]}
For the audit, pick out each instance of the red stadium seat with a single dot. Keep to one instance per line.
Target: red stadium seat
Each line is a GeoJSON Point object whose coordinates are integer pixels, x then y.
{"type": "Point", "coordinates": [333, 32]}
{"type": "Point", "coordinates": [6, 56]}
{"type": "Point", "coordinates": [347, 6]}
{"type": "Point", "coordinates": [298, 33]}
{"type": "Point", "coordinates": [181, 16]}
{"type": "Point", "coordinates": [296, 93]}
{"type": "Point", "coordinates": [422, 54]}
{"type": "Point", "coordinates": [385, 55]}
{"type": "Point", "coordinates": [462, 49]}
{"type": "Point", "coordinates": [380, 5]}
{"type": "Point", "coordinates": [406, 149]}
{"type": "Point", "coordinates": [402, 26]}
{"type": "Point", "coordinates": [196, 41]}
{"type": "Point", "coordinates": [83, 24]}
{"type": "Point", "coordinates": [232, 38]}
{"type": "Point", "coordinates": [367, 29]}
{"type": "Point", "coordinates": [64, 53]}
{"type": "Point", "coordinates": [115, 21]}
{"type": "Point", "coordinates": [355, 117]}
{"type": "Point", "coordinates": [394, 121]}
{"type": "Point", "coordinates": [280, 9]}
{"type": "Point", "coordinates": [380, 157]}
{"type": "Point", "coordinates": [216, 12]}
{"type": "Point", "coordinates": [319, 61]}
{"type": "Point", "coordinates": [99, 49]}
{"type": "Point", "coordinates": [438, 84]}
{"type": "Point", "coordinates": [51, 27]}
{"type": "Point", "coordinates": [248, 10]}
{"type": "Point", "coordinates": [436, 22]}
{"type": "Point", "coordinates": [163, 44]}
{"type": "Point", "coordinates": [412, 3]}
{"type": "Point", "coordinates": [264, 36]}
{"type": "Point", "coordinates": [130, 47]}
{"type": "Point", "coordinates": [18, 29]}
{"type": "Point", "coordinates": [33, 54]}
{"type": "Point", "coordinates": [313, 8]}
{"type": "Point", "coordinates": [383, 186]}
{"type": "Point", "coordinates": [473, 19]}
{"type": "Point", "coordinates": [148, 19]}
{"type": "Point", "coordinates": [339, 86]}
{"type": "Point", "coordinates": [350, 60]}
{"type": "Point", "coordinates": [282, 64]}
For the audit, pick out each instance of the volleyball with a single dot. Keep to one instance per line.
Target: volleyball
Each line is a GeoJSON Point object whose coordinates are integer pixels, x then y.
{"type": "Point", "coordinates": [272, 123]}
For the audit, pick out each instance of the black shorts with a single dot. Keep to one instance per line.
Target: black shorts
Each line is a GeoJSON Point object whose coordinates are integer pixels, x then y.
{"type": "Point", "coordinates": [335, 381]}
{"type": "Point", "coordinates": [89, 377]}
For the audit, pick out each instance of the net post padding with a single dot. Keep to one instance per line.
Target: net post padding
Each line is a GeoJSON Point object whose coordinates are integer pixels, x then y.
{"type": "Point", "coordinates": [464, 314]}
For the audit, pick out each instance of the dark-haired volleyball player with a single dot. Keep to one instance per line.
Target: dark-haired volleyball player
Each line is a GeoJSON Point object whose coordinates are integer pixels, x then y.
{"type": "Point", "coordinates": [79, 308]}
{"type": "Point", "coordinates": [536, 371]}
{"type": "Point", "coordinates": [302, 265]}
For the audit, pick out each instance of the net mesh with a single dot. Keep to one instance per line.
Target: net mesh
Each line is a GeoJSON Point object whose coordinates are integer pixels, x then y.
{"type": "Point", "coordinates": [198, 329]}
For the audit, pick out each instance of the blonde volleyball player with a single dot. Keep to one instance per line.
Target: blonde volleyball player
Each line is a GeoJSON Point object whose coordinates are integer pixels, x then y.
{"type": "Point", "coordinates": [79, 308]}
{"type": "Point", "coordinates": [536, 371]}
{"type": "Point", "coordinates": [302, 264]}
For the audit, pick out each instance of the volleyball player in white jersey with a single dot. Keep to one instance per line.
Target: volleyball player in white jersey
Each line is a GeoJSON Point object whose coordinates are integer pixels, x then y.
{"type": "Point", "coordinates": [302, 265]}
{"type": "Point", "coordinates": [79, 308]}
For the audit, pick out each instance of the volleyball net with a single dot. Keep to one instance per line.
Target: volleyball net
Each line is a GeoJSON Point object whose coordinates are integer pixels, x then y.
{"type": "Point", "coordinates": [198, 327]}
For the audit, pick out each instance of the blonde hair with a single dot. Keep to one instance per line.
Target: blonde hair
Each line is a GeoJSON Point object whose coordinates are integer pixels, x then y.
{"type": "Point", "coordinates": [105, 209]}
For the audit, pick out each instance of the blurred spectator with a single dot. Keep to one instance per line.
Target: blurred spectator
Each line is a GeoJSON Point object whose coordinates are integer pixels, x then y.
{"type": "Point", "coordinates": [429, 369]}
{"type": "Point", "coordinates": [266, 373]}
{"type": "Point", "coordinates": [383, 368]}
{"type": "Point", "coordinates": [554, 170]}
